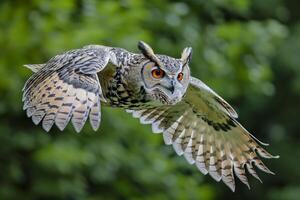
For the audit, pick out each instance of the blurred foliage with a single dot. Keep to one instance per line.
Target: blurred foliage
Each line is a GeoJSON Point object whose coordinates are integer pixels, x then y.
{"type": "Point", "coordinates": [247, 50]}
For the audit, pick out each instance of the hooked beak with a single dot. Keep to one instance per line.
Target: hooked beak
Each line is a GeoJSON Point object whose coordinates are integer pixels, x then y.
{"type": "Point", "coordinates": [172, 87]}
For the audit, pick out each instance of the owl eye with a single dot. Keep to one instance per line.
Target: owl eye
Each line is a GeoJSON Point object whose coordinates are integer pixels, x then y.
{"type": "Point", "coordinates": [180, 76]}
{"type": "Point", "coordinates": [158, 73]}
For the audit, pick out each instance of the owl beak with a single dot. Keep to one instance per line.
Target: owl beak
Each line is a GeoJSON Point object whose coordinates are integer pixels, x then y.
{"type": "Point", "coordinates": [172, 87]}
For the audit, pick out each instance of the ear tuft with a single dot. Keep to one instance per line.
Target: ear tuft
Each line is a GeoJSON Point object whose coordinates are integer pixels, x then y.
{"type": "Point", "coordinates": [148, 52]}
{"type": "Point", "coordinates": [186, 55]}
{"type": "Point", "coordinates": [145, 49]}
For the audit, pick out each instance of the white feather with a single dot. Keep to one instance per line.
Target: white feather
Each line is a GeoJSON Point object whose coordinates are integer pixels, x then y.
{"type": "Point", "coordinates": [155, 127]}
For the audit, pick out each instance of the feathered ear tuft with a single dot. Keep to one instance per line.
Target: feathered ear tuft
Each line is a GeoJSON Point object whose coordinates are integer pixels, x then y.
{"type": "Point", "coordinates": [145, 49]}
{"type": "Point", "coordinates": [186, 55]}
{"type": "Point", "coordinates": [148, 52]}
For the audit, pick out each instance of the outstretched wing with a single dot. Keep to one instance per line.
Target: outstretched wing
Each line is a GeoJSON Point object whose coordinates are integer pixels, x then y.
{"type": "Point", "coordinates": [66, 88]}
{"type": "Point", "coordinates": [203, 128]}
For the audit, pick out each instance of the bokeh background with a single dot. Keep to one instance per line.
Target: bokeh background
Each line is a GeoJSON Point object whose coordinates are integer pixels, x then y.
{"type": "Point", "coordinates": [247, 50]}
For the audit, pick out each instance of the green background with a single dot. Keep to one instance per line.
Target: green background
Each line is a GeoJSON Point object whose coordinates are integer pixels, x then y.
{"type": "Point", "coordinates": [246, 50]}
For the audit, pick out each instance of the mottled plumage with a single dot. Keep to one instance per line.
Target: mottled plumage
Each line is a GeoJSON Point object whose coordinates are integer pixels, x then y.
{"type": "Point", "coordinates": [158, 90]}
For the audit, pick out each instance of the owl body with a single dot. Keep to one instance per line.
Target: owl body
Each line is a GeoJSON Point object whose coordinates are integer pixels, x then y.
{"type": "Point", "coordinates": [157, 89]}
{"type": "Point", "coordinates": [122, 86]}
{"type": "Point", "coordinates": [121, 91]}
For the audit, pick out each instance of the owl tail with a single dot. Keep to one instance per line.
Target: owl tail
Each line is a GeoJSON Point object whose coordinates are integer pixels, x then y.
{"type": "Point", "coordinates": [34, 67]}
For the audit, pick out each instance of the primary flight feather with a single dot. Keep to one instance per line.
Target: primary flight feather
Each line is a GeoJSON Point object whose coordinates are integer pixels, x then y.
{"type": "Point", "coordinates": [158, 90]}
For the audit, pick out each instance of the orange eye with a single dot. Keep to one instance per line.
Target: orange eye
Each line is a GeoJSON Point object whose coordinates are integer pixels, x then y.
{"type": "Point", "coordinates": [180, 76]}
{"type": "Point", "coordinates": [158, 73]}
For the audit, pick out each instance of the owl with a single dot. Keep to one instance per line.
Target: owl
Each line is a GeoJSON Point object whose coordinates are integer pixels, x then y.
{"type": "Point", "coordinates": [157, 89]}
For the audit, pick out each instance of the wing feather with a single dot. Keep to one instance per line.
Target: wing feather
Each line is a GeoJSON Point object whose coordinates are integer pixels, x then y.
{"type": "Point", "coordinates": [95, 114]}
{"type": "Point", "coordinates": [66, 88]}
{"type": "Point", "coordinates": [188, 153]}
{"type": "Point", "coordinates": [203, 128]}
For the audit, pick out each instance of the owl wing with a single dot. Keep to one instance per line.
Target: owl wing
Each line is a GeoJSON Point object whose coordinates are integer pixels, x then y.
{"type": "Point", "coordinates": [203, 128]}
{"type": "Point", "coordinates": [66, 88]}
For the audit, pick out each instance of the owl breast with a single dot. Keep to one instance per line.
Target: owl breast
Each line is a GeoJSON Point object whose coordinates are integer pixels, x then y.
{"type": "Point", "coordinates": [118, 92]}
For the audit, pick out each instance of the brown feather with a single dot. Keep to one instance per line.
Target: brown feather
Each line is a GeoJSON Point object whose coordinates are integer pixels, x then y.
{"type": "Point", "coordinates": [203, 128]}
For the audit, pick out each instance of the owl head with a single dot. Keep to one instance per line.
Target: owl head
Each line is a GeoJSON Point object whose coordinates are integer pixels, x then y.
{"type": "Point", "coordinates": [165, 79]}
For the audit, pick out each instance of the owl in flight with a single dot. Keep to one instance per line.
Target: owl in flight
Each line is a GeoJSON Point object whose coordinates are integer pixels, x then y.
{"type": "Point", "coordinates": [158, 90]}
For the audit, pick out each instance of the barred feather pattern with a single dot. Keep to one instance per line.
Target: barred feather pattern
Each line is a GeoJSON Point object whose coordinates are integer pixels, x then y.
{"type": "Point", "coordinates": [207, 135]}
{"type": "Point", "coordinates": [202, 126]}
{"type": "Point", "coordinates": [66, 89]}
